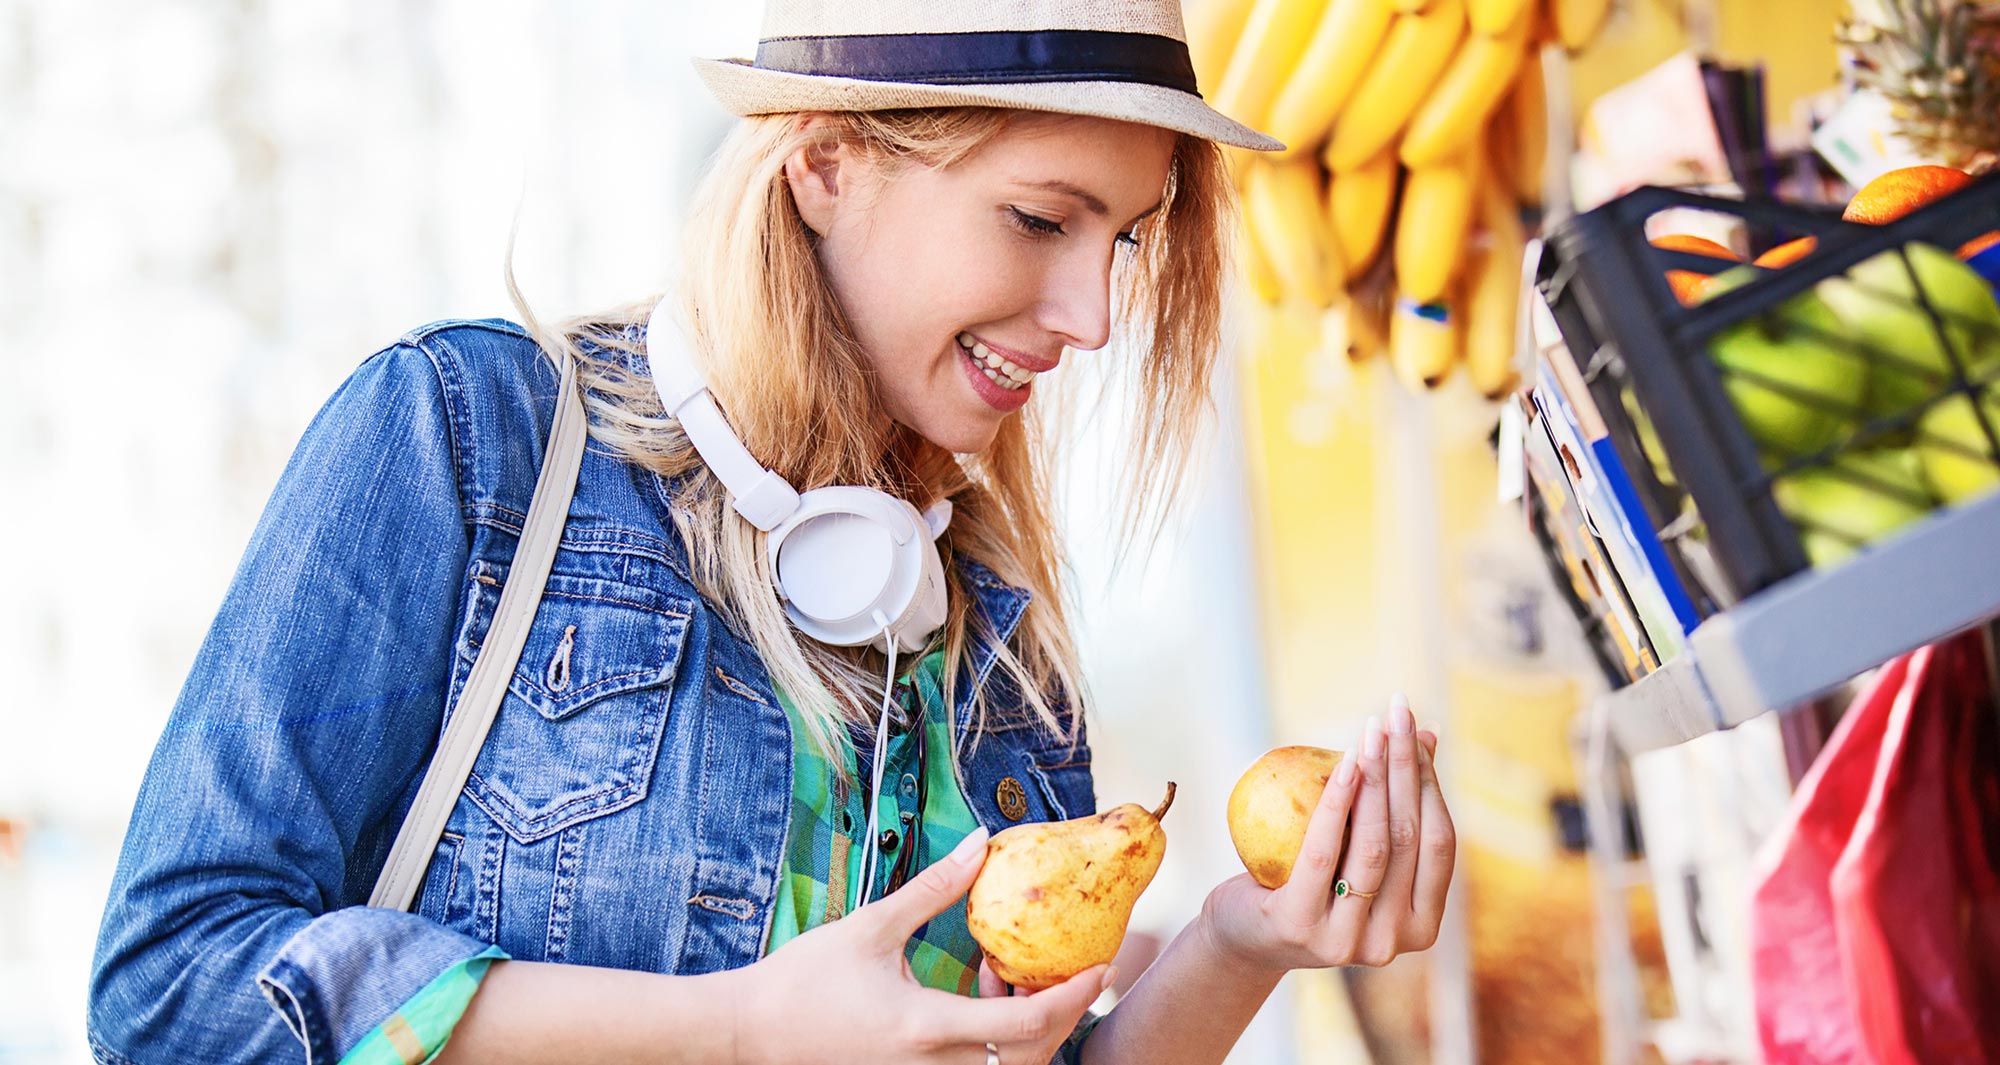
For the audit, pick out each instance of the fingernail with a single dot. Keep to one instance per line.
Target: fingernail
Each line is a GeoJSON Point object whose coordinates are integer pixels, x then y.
{"type": "Point", "coordinates": [1343, 774]}
{"type": "Point", "coordinates": [970, 846]}
{"type": "Point", "coordinates": [1371, 738]}
{"type": "Point", "coordinates": [1398, 701]}
{"type": "Point", "coordinates": [1110, 974]}
{"type": "Point", "coordinates": [1435, 729]}
{"type": "Point", "coordinates": [1401, 721]}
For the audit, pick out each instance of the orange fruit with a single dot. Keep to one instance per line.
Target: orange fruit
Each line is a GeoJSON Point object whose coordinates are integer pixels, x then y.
{"type": "Point", "coordinates": [1687, 284]}
{"type": "Point", "coordinates": [1787, 253]}
{"type": "Point", "coordinates": [1899, 192]}
{"type": "Point", "coordinates": [1978, 244]}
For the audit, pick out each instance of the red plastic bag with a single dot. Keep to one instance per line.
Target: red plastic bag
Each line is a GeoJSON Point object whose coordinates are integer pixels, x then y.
{"type": "Point", "coordinates": [1916, 897]}
{"type": "Point", "coordinates": [1875, 922]}
{"type": "Point", "coordinates": [1802, 1012]}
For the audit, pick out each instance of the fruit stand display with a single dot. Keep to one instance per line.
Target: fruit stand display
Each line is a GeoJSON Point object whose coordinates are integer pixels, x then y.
{"type": "Point", "coordinates": [1788, 420]}
{"type": "Point", "coordinates": [1760, 447]}
{"type": "Point", "coordinates": [1762, 480]}
{"type": "Point", "coordinates": [1758, 441]}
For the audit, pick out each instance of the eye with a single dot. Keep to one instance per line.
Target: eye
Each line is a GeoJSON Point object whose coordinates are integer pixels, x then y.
{"type": "Point", "coordinates": [1035, 225]}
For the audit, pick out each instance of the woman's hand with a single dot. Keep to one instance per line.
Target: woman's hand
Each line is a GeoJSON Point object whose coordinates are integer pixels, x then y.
{"type": "Point", "coordinates": [1400, 851]}
{"type": "Point", "coordinates": [844, 992]}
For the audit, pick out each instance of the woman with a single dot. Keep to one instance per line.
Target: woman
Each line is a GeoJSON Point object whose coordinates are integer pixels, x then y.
{"type": "Point", "coordinates": [691, 833]}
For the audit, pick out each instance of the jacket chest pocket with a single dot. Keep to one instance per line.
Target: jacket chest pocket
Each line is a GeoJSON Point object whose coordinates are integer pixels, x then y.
{"type": "Point", "coordinates": [1040, 777]}
{"type": "Point", "coordinates": [579, 729]}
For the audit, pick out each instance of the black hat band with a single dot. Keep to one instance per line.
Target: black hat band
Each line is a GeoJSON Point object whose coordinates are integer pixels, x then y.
{"type": "Point", "coordinates": [987, 57]}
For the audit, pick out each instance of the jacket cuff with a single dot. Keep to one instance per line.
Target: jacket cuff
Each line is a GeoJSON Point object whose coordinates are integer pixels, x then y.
{"type": "Point", "coordinates": [346, 971]}
{"type": "Point", "coordinates": [1071, 1052]}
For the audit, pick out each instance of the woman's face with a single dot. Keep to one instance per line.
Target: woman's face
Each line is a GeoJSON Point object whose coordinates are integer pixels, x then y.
{"type": "Point", "coordinates": [964, 284]}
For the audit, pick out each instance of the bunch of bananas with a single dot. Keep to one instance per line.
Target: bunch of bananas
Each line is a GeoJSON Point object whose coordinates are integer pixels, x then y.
{"type": "Point", "coordinates": [1427, 112]}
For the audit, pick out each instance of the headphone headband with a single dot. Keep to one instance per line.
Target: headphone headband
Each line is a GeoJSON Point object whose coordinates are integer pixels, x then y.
{"type": "Point", "coordinates": [854, 565]}
{"type": "Point", "coordinates": [764, 498]}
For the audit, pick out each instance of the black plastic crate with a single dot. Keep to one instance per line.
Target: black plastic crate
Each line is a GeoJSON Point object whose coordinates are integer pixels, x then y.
{"type": "Point", "coordinates": [1709, 484]}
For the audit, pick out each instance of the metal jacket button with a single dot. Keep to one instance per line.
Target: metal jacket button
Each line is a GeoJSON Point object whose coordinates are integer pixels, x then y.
{"type": "Point", "coordinates": [1012, 799]}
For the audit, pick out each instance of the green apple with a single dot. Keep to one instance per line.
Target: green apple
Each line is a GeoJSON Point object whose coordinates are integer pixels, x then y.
{"type": "Point", "coordinates": [1857, 499]}
{"type": "Point", "coordinates": [1879, 302]}
{"type": "Point", "coordinates": [1824, 549]}
{"type": "Point", "coordinates": [1793, 382]}
{"type": "Point", "coordinates": [1956, 455]}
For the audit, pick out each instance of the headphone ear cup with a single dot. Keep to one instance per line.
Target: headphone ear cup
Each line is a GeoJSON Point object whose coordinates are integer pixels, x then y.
{"type": "Point", "coordinates": [851, 554]}
{"type": "Point", "coordinates": [836, 566]}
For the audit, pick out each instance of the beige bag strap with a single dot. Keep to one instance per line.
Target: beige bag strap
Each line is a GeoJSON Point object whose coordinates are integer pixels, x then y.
{"type": "Point", "coordinates": [401, 876]}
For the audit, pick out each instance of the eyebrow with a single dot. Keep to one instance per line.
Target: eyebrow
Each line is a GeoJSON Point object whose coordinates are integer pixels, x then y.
{"type": "Point", "coordinates": [1084, 196]}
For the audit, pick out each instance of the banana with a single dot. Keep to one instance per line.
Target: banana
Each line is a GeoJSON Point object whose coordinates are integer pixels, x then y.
{"type": "Point", "coordinates": [1258, 272]}
{"type": "Point", "coordinates": [1273, 38]}
{"type": "Point", "coordinates": [1279, 202]}
{"type": "Point", "coordinates": [1475, 83]}
{"type": "Point", "coordinates": [1432, 224]}
{"type": "Point", "coordinates": [1495, 17]}
{"type": "Point", "coordinates": [1357, 209]}
{"type": "Point", "coordinates": [1578, 21]}
{"type": "Point", "coordinates": [1493, 296]}
{"type": "Point", "coordinates": [1411, 7]}
{"type": "Point", "coordinates": [1409, 62]}
{"type": "Point", "coordinates": [1213, 28]}
{"type": "Point", "coordinates": [1332, 65]}
{"type": "Point", "coordinates": [1525, 118]}
{"type": "Point", "coordinates": [1423, 341]}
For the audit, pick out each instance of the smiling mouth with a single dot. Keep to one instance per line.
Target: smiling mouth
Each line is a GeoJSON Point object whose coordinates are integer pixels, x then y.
{"type": "Point", "coordinates": [997, 368]}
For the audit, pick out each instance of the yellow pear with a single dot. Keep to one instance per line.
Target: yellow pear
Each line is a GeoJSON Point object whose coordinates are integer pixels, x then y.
{"type": "Point", "coordinates": [1053, 897]}
{"type": "Point", "coordinates": [1270, 806]}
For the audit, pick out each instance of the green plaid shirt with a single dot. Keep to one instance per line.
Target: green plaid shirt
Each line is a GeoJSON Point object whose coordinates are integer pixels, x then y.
{"type": "Point", "coordinates": [825, 856]}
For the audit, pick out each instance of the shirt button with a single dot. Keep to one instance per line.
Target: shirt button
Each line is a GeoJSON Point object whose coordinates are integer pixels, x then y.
{"type": "Point", "coordinates": [888, 840]}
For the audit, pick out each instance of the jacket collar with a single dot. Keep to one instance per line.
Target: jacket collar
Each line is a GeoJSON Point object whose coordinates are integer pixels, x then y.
{"type": "Point", "coordinates": [1000, 605]}
{"type": "Point", "coordinates": [997, 610]}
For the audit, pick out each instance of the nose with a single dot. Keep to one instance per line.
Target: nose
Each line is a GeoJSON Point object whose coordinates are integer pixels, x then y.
{"type": "Point", "coordinates": [1076, 300]}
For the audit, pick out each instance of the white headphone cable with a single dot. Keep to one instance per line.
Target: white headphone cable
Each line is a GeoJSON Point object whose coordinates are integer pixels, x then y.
{"type": "Point", "coordinates": [875, 790]}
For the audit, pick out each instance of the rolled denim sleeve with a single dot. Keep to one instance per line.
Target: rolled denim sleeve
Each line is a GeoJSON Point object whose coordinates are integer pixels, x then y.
{"type": "Point", "coordinates": [234, 930]}
{"type": "Point", "coordinates": [1071, 1052]}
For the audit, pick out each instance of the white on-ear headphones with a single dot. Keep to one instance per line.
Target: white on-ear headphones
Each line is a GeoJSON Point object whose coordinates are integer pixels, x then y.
{"type": "Point", "coordinates": [854, 565]}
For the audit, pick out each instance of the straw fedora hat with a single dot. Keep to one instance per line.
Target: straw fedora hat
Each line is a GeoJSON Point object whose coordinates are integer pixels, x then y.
{"type": "Point", "coordinates": [1120, 59]}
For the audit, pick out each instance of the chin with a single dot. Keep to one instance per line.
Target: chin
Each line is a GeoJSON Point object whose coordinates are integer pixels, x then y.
{"type": "Point", "coordinates": [964, 438]}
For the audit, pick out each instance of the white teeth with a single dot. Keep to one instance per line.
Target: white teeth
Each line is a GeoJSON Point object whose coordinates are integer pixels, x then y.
{"type": "Point", "coordinates": [997, 368]}
{"type": "Point", "coordinates": [1006, 383]}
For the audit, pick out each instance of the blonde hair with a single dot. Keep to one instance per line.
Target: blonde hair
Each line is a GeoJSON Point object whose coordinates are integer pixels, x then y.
{"type": "Point", "coordinates": [777, 353]}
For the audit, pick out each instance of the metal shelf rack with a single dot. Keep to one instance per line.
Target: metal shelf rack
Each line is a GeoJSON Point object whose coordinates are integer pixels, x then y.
{"type": "Point", "coordinates": [1816, 630]}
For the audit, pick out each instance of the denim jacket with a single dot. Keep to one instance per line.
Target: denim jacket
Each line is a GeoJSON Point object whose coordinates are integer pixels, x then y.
{"type": "Point", "coordinates": [629, 806]}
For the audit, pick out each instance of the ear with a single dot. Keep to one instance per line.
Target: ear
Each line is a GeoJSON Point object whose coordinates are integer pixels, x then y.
{"type": "Point", "coordinates": [813, 173]}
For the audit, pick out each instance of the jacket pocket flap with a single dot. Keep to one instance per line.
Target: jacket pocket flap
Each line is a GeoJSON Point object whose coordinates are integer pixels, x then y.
{"type": "Point", "coordinates": [591, 639]}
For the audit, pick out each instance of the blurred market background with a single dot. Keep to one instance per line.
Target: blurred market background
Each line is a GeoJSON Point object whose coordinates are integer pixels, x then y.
{"type": "Point", "coordinates": [212, 210]}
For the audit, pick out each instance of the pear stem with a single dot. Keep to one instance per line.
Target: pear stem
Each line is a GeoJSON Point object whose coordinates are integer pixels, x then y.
{"type": "Point", "coordinates": [1168, 801]}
